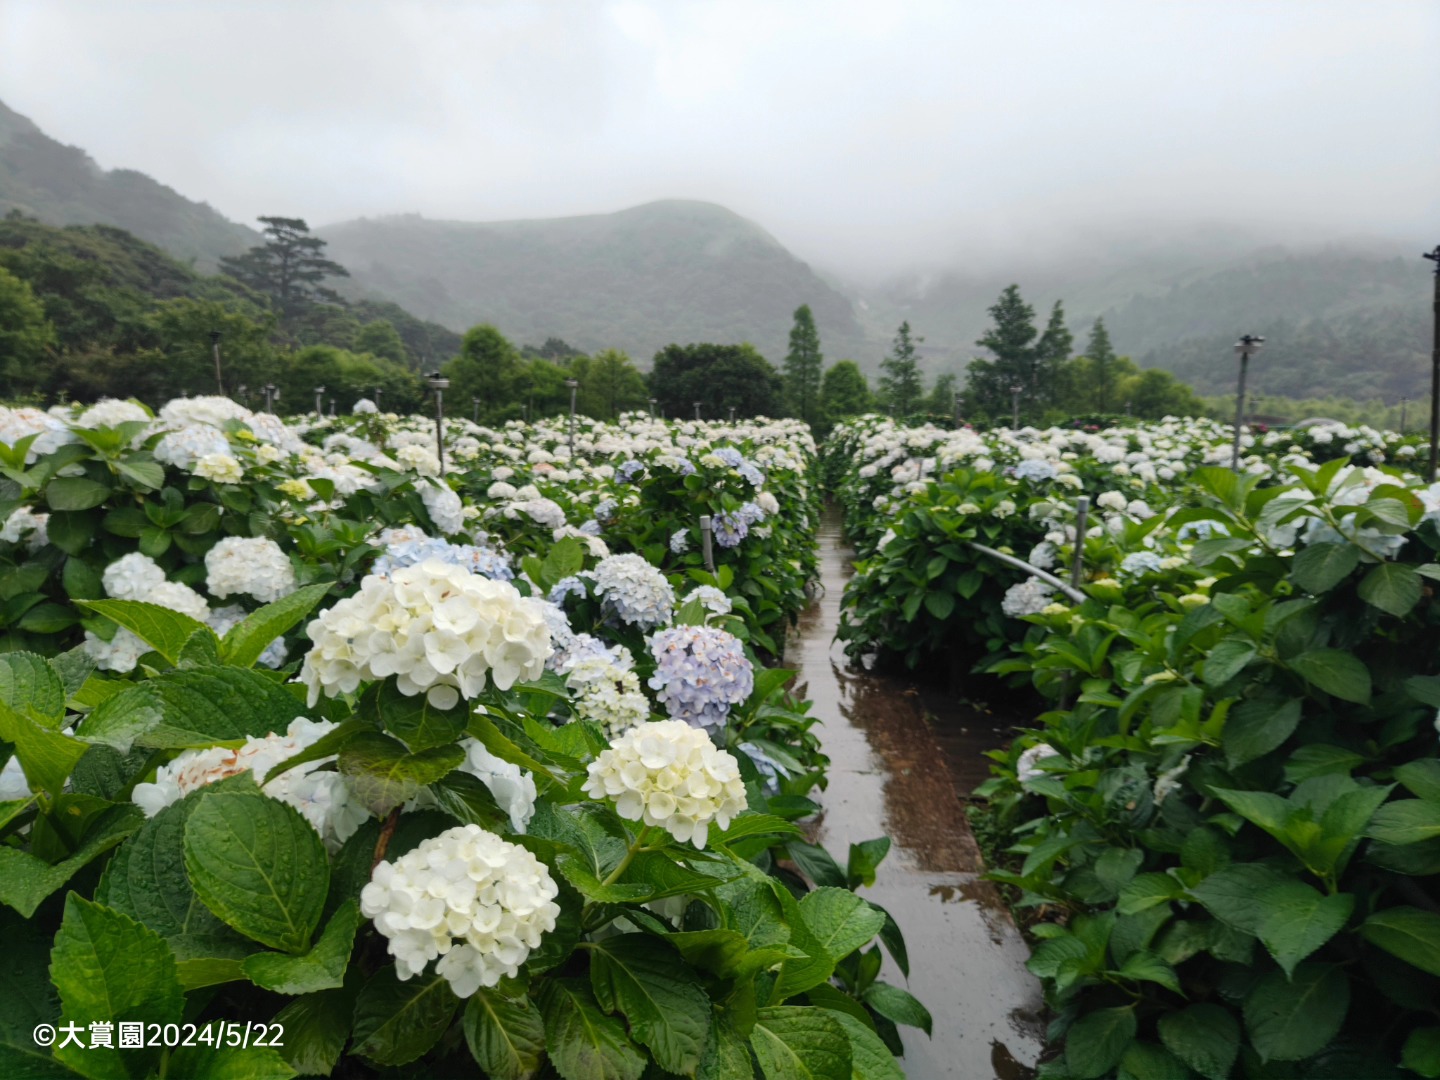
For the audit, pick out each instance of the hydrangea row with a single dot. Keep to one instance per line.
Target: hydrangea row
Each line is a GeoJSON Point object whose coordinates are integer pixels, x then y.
{"type": "Point", "coordinates": [475, 901]}
{"type": "Point", "coordinates": [320, 795]}
{"type": "Point", "coordinates": [669, 774]}
{"type": "Point", "coordinates": [437, 628]}
{"type": "Point", "coordinates": [252, 566]}
{"type": "Point", "coordinates": [700, 672]}
{"type": "Point", "coordinates": [634, 591]}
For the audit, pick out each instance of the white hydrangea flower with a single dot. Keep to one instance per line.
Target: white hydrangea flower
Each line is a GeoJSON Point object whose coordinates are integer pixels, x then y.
{"type": "Point", "coordinates": [513, 788]}
{"type": "Point", "coordinates": [477, 902]}
{"type": "Point", "coordinates": [604, 689]}
{"type": "Point", "coordinates": [254, 566]}
{"type": "Point", "coordinates": [1111, 500]}
{"type": "Point", "coordinates": [24, 522]}
{"type": "Point", "coordinates": [184, 447]}
{"type": "Point", "coordinates": [419, 459]}
{"type": "Point", "coordinates": [320, 795]}
{"type": "Point", "coordinates": [208, 409]}
{"type": "Point", "coordinates": [1029, 597]}
{"type": "Point", "coordinates": [111, 412]}
{"type": "Point", "coordinates": [634, 590]}
{"type": "Point", "coordinates": [710, 598]}
{"type": "Point", "coordinates": [131, 577]}
{"type": "Point", "coordinates": [1027, 767]}
{"type": "Point", "coordinates": [669, 774]}
{"type": "Point", "coordinates": [221, 468]}
{"type": "Point", "coordinates": [436, 627]}
{"type": "Point", "coordinates": [444, 507]}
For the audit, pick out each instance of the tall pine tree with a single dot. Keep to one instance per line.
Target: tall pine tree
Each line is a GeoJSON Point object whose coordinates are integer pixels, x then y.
{"type": "Point", "coordinates": [900, 386]}
{"type": "Point", "coordinates": [1052, 353]}
{"type": "Point", "coordinates": [1101, 355]}
{"type": "Point", "coordinates": [289, 268]}
{"type": "Point", "coordinates": [803, 367]}
{"type": "Point", "coordinates": [1011, 341]}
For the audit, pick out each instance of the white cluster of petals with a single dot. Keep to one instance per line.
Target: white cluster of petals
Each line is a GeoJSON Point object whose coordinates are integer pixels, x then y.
{"type": "Point", "coordinates": [254, 566]}
{"type": "Point", "coordinates": [320, 795]}
{"type": "Point", "coordinates": [671, 775]}
{"type": "Point", "coordinates": [477, 902]}
{"type": "Point", "coordinates": [111, 412]}
{"type": "Point", "coordinates": [139, 577]}
{"type": "Point", "coordinates": [443, 506]}
{"type": "Point", "coordinates": [634, 590]}
{"type": "Point", "coordinates": [437, 628]}
{"type": "Point", "coordinates": [605, 692]}
{"type": "Point", "coordinates": [221, 468]}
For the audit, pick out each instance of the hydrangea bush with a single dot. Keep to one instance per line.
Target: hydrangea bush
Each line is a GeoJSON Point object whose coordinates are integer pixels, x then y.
{"type": "Point", "coordinates": [1220, 831]}
{"type": "Point", "coordinates": [452, 832]}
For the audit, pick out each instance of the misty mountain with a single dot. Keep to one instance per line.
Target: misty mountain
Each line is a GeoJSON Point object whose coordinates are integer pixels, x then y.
{"type": "Point", "coordinates": [640, 279]}
{"type": "Point", "coordinates": [1348, 319]}
{"type": "Point", "coordinates": [1351, 319]}
{"type": "Point", "coordinates": [62, 185]}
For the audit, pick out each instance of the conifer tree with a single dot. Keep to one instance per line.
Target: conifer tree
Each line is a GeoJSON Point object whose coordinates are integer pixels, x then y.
{"type": "Point", "coordinates": [803, 366]}
{"type": "Point", "coordinates": [289, 268]}
{"type": "Point", "coordinates": [1101, 355]}
{"type": "Point", "coordinates": [900, 385]}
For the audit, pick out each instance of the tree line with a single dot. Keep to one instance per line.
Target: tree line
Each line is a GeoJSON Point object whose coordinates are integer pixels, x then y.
{"type": "Point", "coordinates": [91, 311]}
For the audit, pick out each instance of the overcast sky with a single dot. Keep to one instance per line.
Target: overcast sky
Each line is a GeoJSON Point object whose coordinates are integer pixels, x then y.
{"type": "Point", "coordinates": [867, 136]}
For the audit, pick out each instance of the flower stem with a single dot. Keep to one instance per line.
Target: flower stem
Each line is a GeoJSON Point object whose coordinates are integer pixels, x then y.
{"type": "Point", "coordinates": [635, 847]}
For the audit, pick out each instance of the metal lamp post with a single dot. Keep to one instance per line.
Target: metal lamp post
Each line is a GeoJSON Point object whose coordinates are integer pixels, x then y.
{"type": "Point", "coordinates": [319, 405]}
{"type": "Point", "coordinates": [1015, 391]}
{"type": "Point", "coordinates": [215, 351]}
{"type": "Point", "coordinates": [243, 392]}
{"type": "Point", "coordinates": [1247, 345]}
{"type": "Point", "coordinates": [957, 410]}
{"type": "Point", "coordinates": [652, 407]}
{"type": "Point", "coordinates": [475, 416]}
{"type": "Point", "coordinates": [574, 385]}
{"type": "Point", "coordinates": [1434, 256]}
{"type": "Point", "coordinates": [732, 414]}
{"type": "Point", "coordinates": [439, 384]}
{"type": "Point", "coordinates": [697, 410]}
{"type": "Point", "coordinates": [332, 406]}
{"type": "Point", "coordinates": [377, 400]}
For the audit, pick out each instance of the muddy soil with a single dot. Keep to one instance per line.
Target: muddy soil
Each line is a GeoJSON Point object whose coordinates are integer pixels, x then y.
{"type": "Point", "coordinates": [891, 775]}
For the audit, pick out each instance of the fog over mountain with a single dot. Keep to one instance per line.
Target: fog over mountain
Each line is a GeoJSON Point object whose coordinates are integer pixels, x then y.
{"type": "Point", "coordinates": [872, 140]}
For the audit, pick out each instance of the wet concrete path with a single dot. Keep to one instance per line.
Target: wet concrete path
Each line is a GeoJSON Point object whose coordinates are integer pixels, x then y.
{"type": "Point", "coordinates": [888, 775]}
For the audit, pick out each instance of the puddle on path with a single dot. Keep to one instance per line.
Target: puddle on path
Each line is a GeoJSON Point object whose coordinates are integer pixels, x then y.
{"type": "Point", "coordinates": [888, 775]}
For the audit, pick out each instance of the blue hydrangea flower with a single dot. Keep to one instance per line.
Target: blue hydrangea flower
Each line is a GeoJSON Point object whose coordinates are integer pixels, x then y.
{"type": "Point", "coordinates": [605, 509]}
{"type": "Point", "coordinates": [590, 528]}
{"type": "Point", "coordinates": [567, 587]}
{"type": "Point", "coordinates": [730, 456]}
{"type": "Point", "coordinates": [730, 529]}
{"type": "Point", "coordinates": [1140, 562]}
{"type": "Point", "coordinates": [700, 673]}
{"type": "Point", "coordinates": [477, 560]}
{"type": "Point", "coordinates": [628, 471]}
{"type": "Point", "coordinates": [680, 542]}
{"type": "Point", "coordinates": [1035, 469]}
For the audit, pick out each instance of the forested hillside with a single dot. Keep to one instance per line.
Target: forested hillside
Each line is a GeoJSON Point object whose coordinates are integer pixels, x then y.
{"type": "Point", "coordinates": [90, 310]}
{"type": "Point", "coordinates": [637, 280]}
{"type": "Point", "coordinates": [62, 185]}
